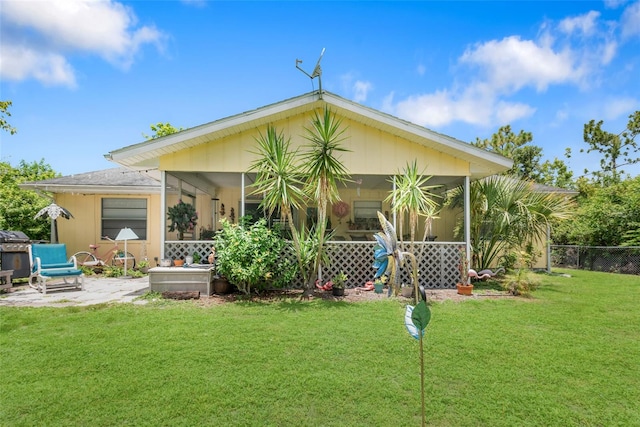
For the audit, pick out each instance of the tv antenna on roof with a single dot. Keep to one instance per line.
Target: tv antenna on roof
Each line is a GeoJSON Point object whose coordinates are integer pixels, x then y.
{"type": "Point", "coordinates": [317, 71]}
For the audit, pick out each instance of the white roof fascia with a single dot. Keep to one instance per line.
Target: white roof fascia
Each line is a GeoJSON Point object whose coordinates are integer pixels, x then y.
{"type": "Point", "coordinates": [169, 144]}
{"type": "Point", "coordinates": [91, 189]}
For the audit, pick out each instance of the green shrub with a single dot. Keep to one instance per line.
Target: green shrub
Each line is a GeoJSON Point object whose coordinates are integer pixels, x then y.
{"type": "Point", "coordinates": [249, 256]}
{"type": "Point", "coordinates": [521, 281]}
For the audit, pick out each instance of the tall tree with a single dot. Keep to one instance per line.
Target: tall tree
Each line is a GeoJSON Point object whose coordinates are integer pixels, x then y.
{"type": "Point", "coordinates": [557, 173]}
{"type": "Point", "coordinates": [323, 170]}
{"type": "Point", "coordinates": [19, 207]}
{"type": "Point", "coordinates": [4, 112]}
{"type": "Point", "coordinates": [526, 158]}
{"type": "Point", "coordinates": [617, 150]}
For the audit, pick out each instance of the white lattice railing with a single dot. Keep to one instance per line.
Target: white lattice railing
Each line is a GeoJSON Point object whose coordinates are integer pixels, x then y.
{"type": "Point", "coordinates": [179, 249]}
{"type": "Point", "coordinates": [437, 262]}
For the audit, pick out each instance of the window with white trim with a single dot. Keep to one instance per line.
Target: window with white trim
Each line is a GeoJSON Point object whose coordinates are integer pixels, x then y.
{"type": "Point", "coordinates": [118, 213]}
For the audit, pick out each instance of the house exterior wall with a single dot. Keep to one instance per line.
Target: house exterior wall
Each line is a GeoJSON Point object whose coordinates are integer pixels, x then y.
{"type": "Point", "coordinates": [85, 226]}
{"type": "Point", "coordinates": [371, 152]}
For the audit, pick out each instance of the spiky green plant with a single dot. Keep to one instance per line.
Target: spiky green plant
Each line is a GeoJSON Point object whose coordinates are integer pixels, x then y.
{"type": "Point", "coordinates": [323, 170]}
{"type": "Point", "coordinates": [279, 181]}
{"type": "Point", "coordinates": [413, 197]}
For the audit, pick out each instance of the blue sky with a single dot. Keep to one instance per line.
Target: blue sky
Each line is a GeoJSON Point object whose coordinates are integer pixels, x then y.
{"type": "Point", "coordinates": [88, 77]}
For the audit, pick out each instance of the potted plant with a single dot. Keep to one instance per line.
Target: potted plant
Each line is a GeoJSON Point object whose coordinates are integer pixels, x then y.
{"type": "Point", "coordinates": [464, 287]}
{"type": "Point", "coordinates": [378, 284]}
{"type": "Point", "coordinates": [406, 290]}
{"type": "Point", "coordinates": [196, 257]}
{"type": "Point", "coordinates": [143, 266]}
{"type": "Point", "coordinates": [339, 282]}
{"type": "Point", "coordinates": [182, 218]}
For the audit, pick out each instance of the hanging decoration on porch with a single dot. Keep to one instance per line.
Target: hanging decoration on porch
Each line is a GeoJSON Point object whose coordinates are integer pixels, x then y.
{"type": "Point", "coordinates": [182, 218]}
{"type": "Point", "coordinates": [341, 210]}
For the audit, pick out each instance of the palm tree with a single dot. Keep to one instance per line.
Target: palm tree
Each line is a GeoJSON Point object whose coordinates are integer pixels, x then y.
{"type": "Point", "coordinates": [279, 181]}
{"type": "Point", "coordinates": [506, 214]}
{"type": "Point", "coordinates": [323, 170]}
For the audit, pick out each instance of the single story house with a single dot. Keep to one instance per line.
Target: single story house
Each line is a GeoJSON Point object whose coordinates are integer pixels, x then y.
{"type": "Point", "coordinates": [208, 165]}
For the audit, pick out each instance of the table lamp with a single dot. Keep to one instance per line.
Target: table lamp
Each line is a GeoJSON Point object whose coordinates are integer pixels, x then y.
{"type": "Point", "coordinates": [126, 234]}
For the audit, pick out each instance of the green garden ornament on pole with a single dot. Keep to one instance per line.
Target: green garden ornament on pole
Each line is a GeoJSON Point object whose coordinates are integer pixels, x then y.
{"type": "Point", "coordinates": [388, 258]}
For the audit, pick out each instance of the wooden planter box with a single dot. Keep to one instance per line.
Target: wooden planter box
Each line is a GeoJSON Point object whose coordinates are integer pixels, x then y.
{"type": "Point", "coordinates": [163, 279]}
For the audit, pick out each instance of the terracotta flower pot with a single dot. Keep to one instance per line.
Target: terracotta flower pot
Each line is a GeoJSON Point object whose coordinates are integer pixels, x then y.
{"type": "Point", "coordinates": [464, 289]}
{"type": "Point", "coordinates": [178, 262]}
{"type": "Point", "coordinates": [221, 286]}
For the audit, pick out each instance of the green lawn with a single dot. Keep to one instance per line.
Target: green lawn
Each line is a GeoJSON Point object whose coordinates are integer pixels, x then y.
{"type": "Point", "coordinates": [570, 355]}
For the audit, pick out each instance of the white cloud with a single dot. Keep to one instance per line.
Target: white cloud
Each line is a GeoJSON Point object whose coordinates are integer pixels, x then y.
{"type": "Point", "coordinates": [630, 20]}
{"type": "Point", "coordinates": [17, 63]}
{"type": "Point", "coordinates": [361, 90]}
{"type": "Point", "coordinates": [615, 108]}
{"type": "Point", "coordinates": [585, 24]}
{"type": "Point", "coordinates": [476, 105]}
{"type": "Point", "coordinates": [357, 89]}
{"type": "Point", "coordinates": [56, 29]}
{"type": "Point", "coordinates": [573, 51]}
{"type": "Point", "coordinates": [612, 4]}
{"type": "Point", "coordinates": [511, 64]}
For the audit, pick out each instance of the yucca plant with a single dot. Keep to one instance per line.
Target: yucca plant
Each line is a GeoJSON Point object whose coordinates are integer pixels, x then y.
{"type": "Point", "coordinates": [323, 170]}
{"type": "Point", "coordinates": [413, 196]}
{"type": "Point", "coordinates": [279, 181]}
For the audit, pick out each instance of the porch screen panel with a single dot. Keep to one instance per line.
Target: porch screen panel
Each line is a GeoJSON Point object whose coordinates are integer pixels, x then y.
{"type": "Point", "coordinates": [120, 213]}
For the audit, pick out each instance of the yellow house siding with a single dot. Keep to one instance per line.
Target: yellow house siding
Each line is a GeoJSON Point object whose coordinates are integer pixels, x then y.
{"type": "Point", "coordinates": [85, 228]}
{"type": "Point", "coordinates": [370, 150]}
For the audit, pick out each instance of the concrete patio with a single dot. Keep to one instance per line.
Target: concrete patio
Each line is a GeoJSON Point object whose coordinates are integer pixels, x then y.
{"type": "Point", "coordinates": [97, 291]}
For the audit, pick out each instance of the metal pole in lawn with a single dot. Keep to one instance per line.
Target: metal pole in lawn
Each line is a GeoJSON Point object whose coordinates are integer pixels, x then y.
{"type": "Point", "coordinates": [424, 417]}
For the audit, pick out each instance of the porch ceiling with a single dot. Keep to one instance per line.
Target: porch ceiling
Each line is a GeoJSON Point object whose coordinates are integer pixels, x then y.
{"type": "Point", "coordinates": [207, 181]}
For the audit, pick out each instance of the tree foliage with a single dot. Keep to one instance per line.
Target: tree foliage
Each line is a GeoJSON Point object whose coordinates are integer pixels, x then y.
{"type": "Point", "coordinates": [162, 129]}
{"type": "Point", "coordinates": [606, 216]}
{"type": "Point", "coordinates": [4, 113]}
{"type": "Point", "coordinates": [526, 158]}
{"type": "Point", "coordinates": [616, 150]}
{"type": "Point", "coordinates": [18, 207]}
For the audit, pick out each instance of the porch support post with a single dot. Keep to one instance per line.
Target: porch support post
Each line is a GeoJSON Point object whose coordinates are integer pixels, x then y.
{"type": "Point", "coordinates": [163, 209]}
{"type": "Point", "coordinates": [395, 220]}
{"type": "Point", "coordinates": [548, 249]}
{"type": "Point", "coordinates": [242, 196]}
{"type": "Point", "coordinates": [467, 218]}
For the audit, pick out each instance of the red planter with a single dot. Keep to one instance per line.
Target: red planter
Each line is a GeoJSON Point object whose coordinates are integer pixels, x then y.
{"type": "Point", "coordinates": [464, 289]}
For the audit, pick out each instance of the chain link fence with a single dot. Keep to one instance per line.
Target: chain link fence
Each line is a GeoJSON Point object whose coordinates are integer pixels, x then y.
{"type": "Point", "coordinates": [612, 259]}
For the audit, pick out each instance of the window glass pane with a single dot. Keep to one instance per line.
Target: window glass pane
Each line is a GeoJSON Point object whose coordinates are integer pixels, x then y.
{"type": "Point", "coordinates": [120, 213]}
{"type": "Point", "coordinates": [365, 214]}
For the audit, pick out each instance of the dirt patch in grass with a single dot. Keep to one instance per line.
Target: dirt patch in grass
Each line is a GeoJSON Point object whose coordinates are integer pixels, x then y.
{"type": "Point", "coordinates": [351, 295]}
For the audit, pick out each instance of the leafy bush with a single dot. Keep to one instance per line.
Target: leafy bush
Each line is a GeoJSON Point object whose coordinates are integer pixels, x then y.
{"type": "Point", "coordinates": [521, 281]}
{"type": "Point", "coordinates": [249, 256]}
